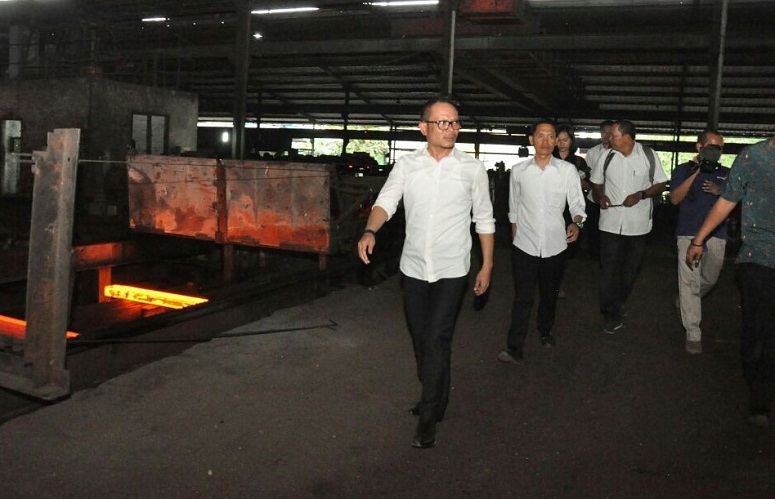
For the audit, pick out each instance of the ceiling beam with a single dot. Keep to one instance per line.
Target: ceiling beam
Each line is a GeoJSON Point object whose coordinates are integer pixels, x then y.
{"type": "Point", "coordinates": [561, 43]}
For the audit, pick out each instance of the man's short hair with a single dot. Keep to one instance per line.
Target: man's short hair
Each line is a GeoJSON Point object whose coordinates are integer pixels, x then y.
{"type": "Point", "coordinates": [606, 123]}
{"type": "Point", "coordinates": [626, 127]}
{"type": "Point", "coordinates": [536, 124]}
{"type": "Point", "coordinates": [426, 108]}
{"type": "Point", "coordinates": [703, 136]}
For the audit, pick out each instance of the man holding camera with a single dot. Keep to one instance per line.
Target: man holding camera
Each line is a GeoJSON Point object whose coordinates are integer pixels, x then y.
{"type": "Point", "coordinates": [695, 187]}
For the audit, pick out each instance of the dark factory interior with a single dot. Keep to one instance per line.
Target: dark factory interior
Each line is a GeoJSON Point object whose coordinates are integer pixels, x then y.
{"type": "Point", "coordinates": [659, 62]}
{"type": "Point", "coordinates": [167, 177]}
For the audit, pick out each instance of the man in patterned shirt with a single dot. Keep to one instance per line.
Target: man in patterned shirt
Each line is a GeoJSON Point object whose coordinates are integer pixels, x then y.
{"type": "Point", "coordinates": [751, 182]}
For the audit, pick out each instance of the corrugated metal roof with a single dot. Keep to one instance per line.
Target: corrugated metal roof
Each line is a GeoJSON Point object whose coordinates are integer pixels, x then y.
{"type": "Point", "coordinates": [577, 60]}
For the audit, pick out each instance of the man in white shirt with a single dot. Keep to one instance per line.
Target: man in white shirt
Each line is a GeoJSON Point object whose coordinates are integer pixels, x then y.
{"type": "Point", "coordinates": [441, 187]}
{"type": "Point", "coordinates": [593, 210]}
{"type": "Point", "coordinates": [594, 152]}
{"type": "Point", "coordinates": [624, 189]}
{"type": "Point", "coordinates": [538, 191]}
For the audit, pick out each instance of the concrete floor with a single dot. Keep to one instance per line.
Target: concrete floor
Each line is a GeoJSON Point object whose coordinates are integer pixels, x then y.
{"type": "Point", "coordinates": [322, 413]}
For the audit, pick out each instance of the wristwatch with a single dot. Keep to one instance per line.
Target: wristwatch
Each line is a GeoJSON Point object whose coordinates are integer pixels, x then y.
{"type": "Point", "coordinates": [580, 225]}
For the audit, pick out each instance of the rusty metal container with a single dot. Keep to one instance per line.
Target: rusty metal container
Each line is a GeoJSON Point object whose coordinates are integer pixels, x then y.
{"type": "Point", "coordinates": [302, 207]}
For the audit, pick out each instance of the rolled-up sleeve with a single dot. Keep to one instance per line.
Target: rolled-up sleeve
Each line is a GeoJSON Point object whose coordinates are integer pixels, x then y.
{"type": "Point", "coordinates": [482, 206]}
{"type": "Point", "coordinates": [392, 191]}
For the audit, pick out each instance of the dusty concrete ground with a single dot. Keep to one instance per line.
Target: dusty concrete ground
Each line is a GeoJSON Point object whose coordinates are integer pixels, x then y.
{"type": "Point", "coordinates": [322, 413]}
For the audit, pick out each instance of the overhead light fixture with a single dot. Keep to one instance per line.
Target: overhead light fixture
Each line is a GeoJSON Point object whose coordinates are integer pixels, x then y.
{"type": "Point", "coordinates": [403, 3]}
{"type": "Point", "coordinates": [283, 11]}
{"type": "Point", "coordinates": [157, 19]}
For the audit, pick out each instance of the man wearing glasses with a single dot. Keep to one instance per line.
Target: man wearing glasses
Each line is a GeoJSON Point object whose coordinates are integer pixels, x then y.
{"type": "Point", "coordinates": [442, 188]}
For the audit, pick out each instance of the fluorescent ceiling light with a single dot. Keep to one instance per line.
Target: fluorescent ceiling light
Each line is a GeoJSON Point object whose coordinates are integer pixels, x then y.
{"type": "Point", "coordinates": [284, 11]}
{"type": "Point", "coordinates": [157, 19]}
{"type": "Point", "coordinates": [403, 3]}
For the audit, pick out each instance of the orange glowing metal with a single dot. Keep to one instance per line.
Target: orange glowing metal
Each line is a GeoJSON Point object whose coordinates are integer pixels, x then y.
{"type": "Point", "coordinates": [151, 296]}
{"type": "Point", "coordinates": [17, 328]}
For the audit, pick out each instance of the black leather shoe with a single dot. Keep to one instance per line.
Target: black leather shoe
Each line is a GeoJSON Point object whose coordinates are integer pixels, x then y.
{"type": "Point", "coordinates": [548, 341]}
{"type": "Point", "coordinates": [415, 411]}
{"type": "Point", "coordinates": [510, 357]}
{"type": "Point", "coordinates": [425, 436]}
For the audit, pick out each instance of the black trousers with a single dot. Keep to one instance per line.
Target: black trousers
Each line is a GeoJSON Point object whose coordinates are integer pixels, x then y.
{"type": "Point", "coordinates": [431, 309]}
{"type": "Point", "coordinates": [590, 236]}
{"type": "Point", "coordinates": [528, 271]}
{"type": "Point", "coordinates": [620, 261]}
{"type": "Point", "coordinates": [757, 342]}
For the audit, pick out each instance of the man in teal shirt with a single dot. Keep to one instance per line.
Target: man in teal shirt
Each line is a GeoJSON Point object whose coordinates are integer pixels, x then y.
{"type": "Point", "coordinates": [751, 182]}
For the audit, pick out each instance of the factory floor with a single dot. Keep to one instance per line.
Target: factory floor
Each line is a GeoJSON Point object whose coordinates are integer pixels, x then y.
{"type": "Point", "coordinates": [323, 412]}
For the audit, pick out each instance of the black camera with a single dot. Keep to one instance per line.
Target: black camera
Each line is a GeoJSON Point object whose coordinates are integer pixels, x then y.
{"type": "Point", "coordinates": [708, 165]}
{"type": "Point", "coordinates": [707, 160]}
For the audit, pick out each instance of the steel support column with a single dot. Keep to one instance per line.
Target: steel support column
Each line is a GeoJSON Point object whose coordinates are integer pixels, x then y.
{"type": "Point", "coordinates": [716, 67]}
{"type": "Point", "coordinates": [450, 20]}
{"type": "Point", "coordinates": [49, 273]}
{"type": "Point", "coordinates": [346, 120]}
{"type": "Point", "coordinates": [241, 68]}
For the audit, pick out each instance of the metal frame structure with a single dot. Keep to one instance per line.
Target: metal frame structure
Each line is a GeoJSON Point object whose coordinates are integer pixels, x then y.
{"type": "Point", "coordinates": [40, 370]}
{"type": "Point", "coordinates": [668, 66]}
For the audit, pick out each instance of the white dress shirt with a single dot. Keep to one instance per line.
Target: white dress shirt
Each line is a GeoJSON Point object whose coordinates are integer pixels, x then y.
{"type": "Point", "coordinates": [439, 198]}
{"type": "Point", "coordinates": [594, 153]}
{"type": "Point", "coordinates": [537, 201]}
{"type": "Point", "coordinates": [593, 156]}
{"type": "Point", "coordinates": [625, 176]}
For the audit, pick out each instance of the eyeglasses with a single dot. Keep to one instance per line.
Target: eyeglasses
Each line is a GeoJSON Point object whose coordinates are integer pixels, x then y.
{"type": "Point", "coordinates": [445, 124]}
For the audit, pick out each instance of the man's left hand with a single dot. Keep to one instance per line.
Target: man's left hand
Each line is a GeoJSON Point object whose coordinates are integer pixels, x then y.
{"type": "Point", "coordinates": [693, 256]}
{"type": "Point", "coordinates": [712, 187]}
{"type": "Point", "coordinates": [572, 233]}
{"type": "Point", "coordinates": [631, 200]}
{"type": "Point", "coordinates": [482, 282]}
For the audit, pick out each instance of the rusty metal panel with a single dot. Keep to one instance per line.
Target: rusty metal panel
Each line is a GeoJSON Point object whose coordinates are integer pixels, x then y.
{"type": "Point", "coordinates": [488, 7]}
{"type": "Point", "coordinates": [268, 204]}
{"type": "Point", "coordinates": [173, 195]}
{"type": "Point", "coordinates": [279, 205]}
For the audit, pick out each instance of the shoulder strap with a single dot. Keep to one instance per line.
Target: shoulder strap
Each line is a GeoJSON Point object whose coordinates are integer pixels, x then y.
{"type": "Point", "coordinates": [607, 162]}
{"type": "Point", "coordinates": [652, 156]}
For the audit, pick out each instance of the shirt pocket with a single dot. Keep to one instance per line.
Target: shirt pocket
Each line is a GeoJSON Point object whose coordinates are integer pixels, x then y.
{"type": "Point", "coordinates": [641, 178]}
{"type": "Point", "coordinates": [456, 189]}
{"type": "Point", "coordinates": [555, 198]}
